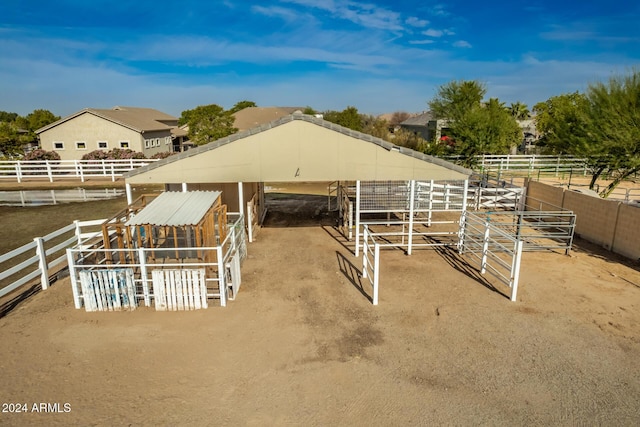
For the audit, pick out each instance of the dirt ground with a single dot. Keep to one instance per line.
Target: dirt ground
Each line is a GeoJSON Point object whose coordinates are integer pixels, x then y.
{"type": "Point", "coordinates": [303, 345]}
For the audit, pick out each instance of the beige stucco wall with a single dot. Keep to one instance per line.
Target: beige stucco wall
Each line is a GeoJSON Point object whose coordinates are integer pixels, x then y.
{"type": "Point", "coordinates": [92, 129]}
{"type": "Point", "coordinates": [295, 151]}
{"type": "Point", "coordinates": [595, 217]}
{"type": "Point", "coordinates": [627, 233]}
{"type": "Point", "coordinates": [543, 197]}
{"type": "Point", "coordinates": [608, 223]}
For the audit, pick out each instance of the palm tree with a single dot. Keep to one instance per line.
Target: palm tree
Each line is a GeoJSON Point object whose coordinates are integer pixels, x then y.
{"type": "Point", "coordinates": [519, 111]}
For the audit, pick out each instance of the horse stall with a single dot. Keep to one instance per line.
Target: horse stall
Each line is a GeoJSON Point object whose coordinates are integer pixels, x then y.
{"type": "Point", "coordinates": [423, 214]}
{"type": "Point", "coordinates": [179, 249]}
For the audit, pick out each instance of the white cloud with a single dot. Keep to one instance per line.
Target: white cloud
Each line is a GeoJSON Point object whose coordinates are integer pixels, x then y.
{"type": "Point", "coordinates": [416, 22]}
{"type": "Point", "coordinates": [364, 14]}
{"type": "Point", "coordinates": [462, 44]}
{"type": "Point", "coordinates": [433, 33]}
{"type": "Point", "coordinates": [428, 41]}
{"type": "Point", "coordinates": [275, 11]}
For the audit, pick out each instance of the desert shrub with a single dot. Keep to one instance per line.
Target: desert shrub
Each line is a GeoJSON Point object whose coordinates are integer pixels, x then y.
{"type": "Point", "coordinates": [42, 155]}
{"type": "Point", "coordinates": [115, 154]}
{"type": "Point", "coordinates": [163, 155]}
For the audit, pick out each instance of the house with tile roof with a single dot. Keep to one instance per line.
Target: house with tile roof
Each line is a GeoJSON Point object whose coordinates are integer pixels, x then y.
{"type": "Point", "coordinates": [143, 130]}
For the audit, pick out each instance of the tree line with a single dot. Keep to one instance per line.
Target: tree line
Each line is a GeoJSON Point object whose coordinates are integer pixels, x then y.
{"type": "Point", "coordinates": [17, 131]}
{"type": "Point", "coordinates": [601, 125]}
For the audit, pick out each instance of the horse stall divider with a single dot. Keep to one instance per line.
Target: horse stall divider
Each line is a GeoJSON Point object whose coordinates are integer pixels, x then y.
{"type": "Point", "coordinates": [426, 212]}
{"type": "Point", "coordinates": [498, 252]}
{"type": "Point", "coordinates": [371, 263]}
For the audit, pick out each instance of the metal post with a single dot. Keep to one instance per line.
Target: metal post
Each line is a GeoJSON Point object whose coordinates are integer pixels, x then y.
{"type": "Point", "coordinates": [221, 281]}
{"type": "Point", "coordinates": [515, 270]}
{"type": "Point", "coordinates": [241, 199]}
{"type": "Point", "coordinates": [184, 187]}
{"type": "Point", "coordinates": [485, 249]}
{"type": "Point", "coordinates": [376, 272]}
{"type": "Point", "coordinates": [412, 189]}
{"type": "Point", "coordinates": [357, 251]}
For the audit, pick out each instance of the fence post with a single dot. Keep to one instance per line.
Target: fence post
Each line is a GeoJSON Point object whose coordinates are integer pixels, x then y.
{"type": "Point", "coordinates": [143, 276]}
{"type": "Point", "coordinates": [18, 171]}
{"type": "Point", "coordinates": [365, 250]}
{"type": "Point", "coordinates": [113, 173]}
{"type": "Point", "coordinates": [461, 230]}
{"type": "Point", "coordinates": [42, 263]}
{"type": "Point", "coordinates": [49, 173]}
{"type": "Point", "coordinates": [412, 189]}
{"type": "Point", "coordinates": [74, 281]}
{"type": "Point", "coordinates": [221, 281]}
{"type": "Point", "coordinates": [78, 231]}
{"type": "Point", "coordinates": [515, 270]}
{"type": "Point", "coordinates": [79, 169]}
{"type": "Point", "coordinates": [485, 249]}
{"type": "Point", "coordinates": [376, 272]}
{"type": "Point", "coordinates": [357, 218]}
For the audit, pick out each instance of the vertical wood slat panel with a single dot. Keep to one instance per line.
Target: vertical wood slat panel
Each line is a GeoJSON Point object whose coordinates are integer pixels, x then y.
{"type": "Point", "coordinates": [178, 290]}
{"type": "Point", "coordinates": [108, 290]}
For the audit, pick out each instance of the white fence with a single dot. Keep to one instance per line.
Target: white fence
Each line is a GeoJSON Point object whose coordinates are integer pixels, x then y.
{"type": "Point", "coordinates": [221, 264]}
{"type": "Point", "coordinates": [371, 263]}
{"type": "Point", "coordinates": [48, 253]}
{"type": "Point", "coordinates": [528, 164]}
{"type": "Point", "coordinates": [21, 170]}
{"type": "Point", "coordinates": [499, 253]}
{"type": "Point", "coordinates": [414, 213]}
{"type": "Point", "coordinates": [53, 197]}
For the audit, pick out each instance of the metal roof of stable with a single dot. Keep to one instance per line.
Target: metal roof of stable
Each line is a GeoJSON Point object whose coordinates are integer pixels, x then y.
{"type": "Point", "coordinates": [318, 149]}
{"type": "Point", "coordinates": [176, 209]}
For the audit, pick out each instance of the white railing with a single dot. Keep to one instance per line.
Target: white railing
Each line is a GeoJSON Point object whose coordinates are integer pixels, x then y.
{"type": "Point", "coordinates": [221, 263]}
{"type": "Point", "coordinates": [371, 262]}
{"type": "Point", "coordinates": [68, 169]}
{"type": "Point", "coordinates": [499, 253]}
{"type": "Point", "coordinates": [40, 264]}
{"type": "Point", "coordinates": [528, 163]}
{"type": "Point", "coordinates": [531, 163]}
{"type": "Point", "coordinates": [53, 197]}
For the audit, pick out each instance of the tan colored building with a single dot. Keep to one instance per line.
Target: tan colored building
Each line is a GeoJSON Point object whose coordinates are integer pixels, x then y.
{"type": "Point", "coordinates": [292, 148]}
{"type": "Point", "coordinates": [143, 130]}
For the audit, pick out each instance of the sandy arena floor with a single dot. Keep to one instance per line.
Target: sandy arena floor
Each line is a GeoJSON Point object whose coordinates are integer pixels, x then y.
{"type": "Point", "coordinates": [302, 344]}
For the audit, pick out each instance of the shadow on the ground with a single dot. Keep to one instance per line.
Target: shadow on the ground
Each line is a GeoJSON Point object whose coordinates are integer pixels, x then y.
{"type": "Point", "coordinates": [297, 210]}
{"type": "Point", "coordinates": [353, 274]}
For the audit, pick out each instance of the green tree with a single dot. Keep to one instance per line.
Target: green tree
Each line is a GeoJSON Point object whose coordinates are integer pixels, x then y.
{"type": "Point", "coordinates": [375, 126]}
{"type": "Point", "coordinates": [519, 111]}
{"type": "Point", "coordinates": [309, 111]}
{"type": "Point", "coordinates": [475, 127]}
{"type": "Point", "coordinates": [350, 118]}
{"type": "Point", "coordinates": [456, 98]}
{"type": "Point", "coordinates": [207, 123]}
{"type": "Point", "coordinates": [10, 141]}
{"type": "Point", "coordinates": [562, 123]}
{"type": "Point", "coordinates": [7, 117]}
{"type": "Point", "coordinates": [241, 106]}
{"type": "Point", "coordinates": [613, 139]}
{"type": "Point", "coordinates": [40, 118]}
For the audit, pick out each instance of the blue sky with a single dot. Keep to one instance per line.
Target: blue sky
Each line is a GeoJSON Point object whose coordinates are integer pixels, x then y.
{"type": "Point", "coordinates": [379, 56]}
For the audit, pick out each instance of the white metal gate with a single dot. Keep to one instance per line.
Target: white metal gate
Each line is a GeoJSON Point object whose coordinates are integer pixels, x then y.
{"type": "Point", "coordinates": [498, 252]}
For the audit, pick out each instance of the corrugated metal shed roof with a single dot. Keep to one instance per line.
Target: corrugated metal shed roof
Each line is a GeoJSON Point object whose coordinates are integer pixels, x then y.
{"type": "Point", "coordinates": [176, 208]}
